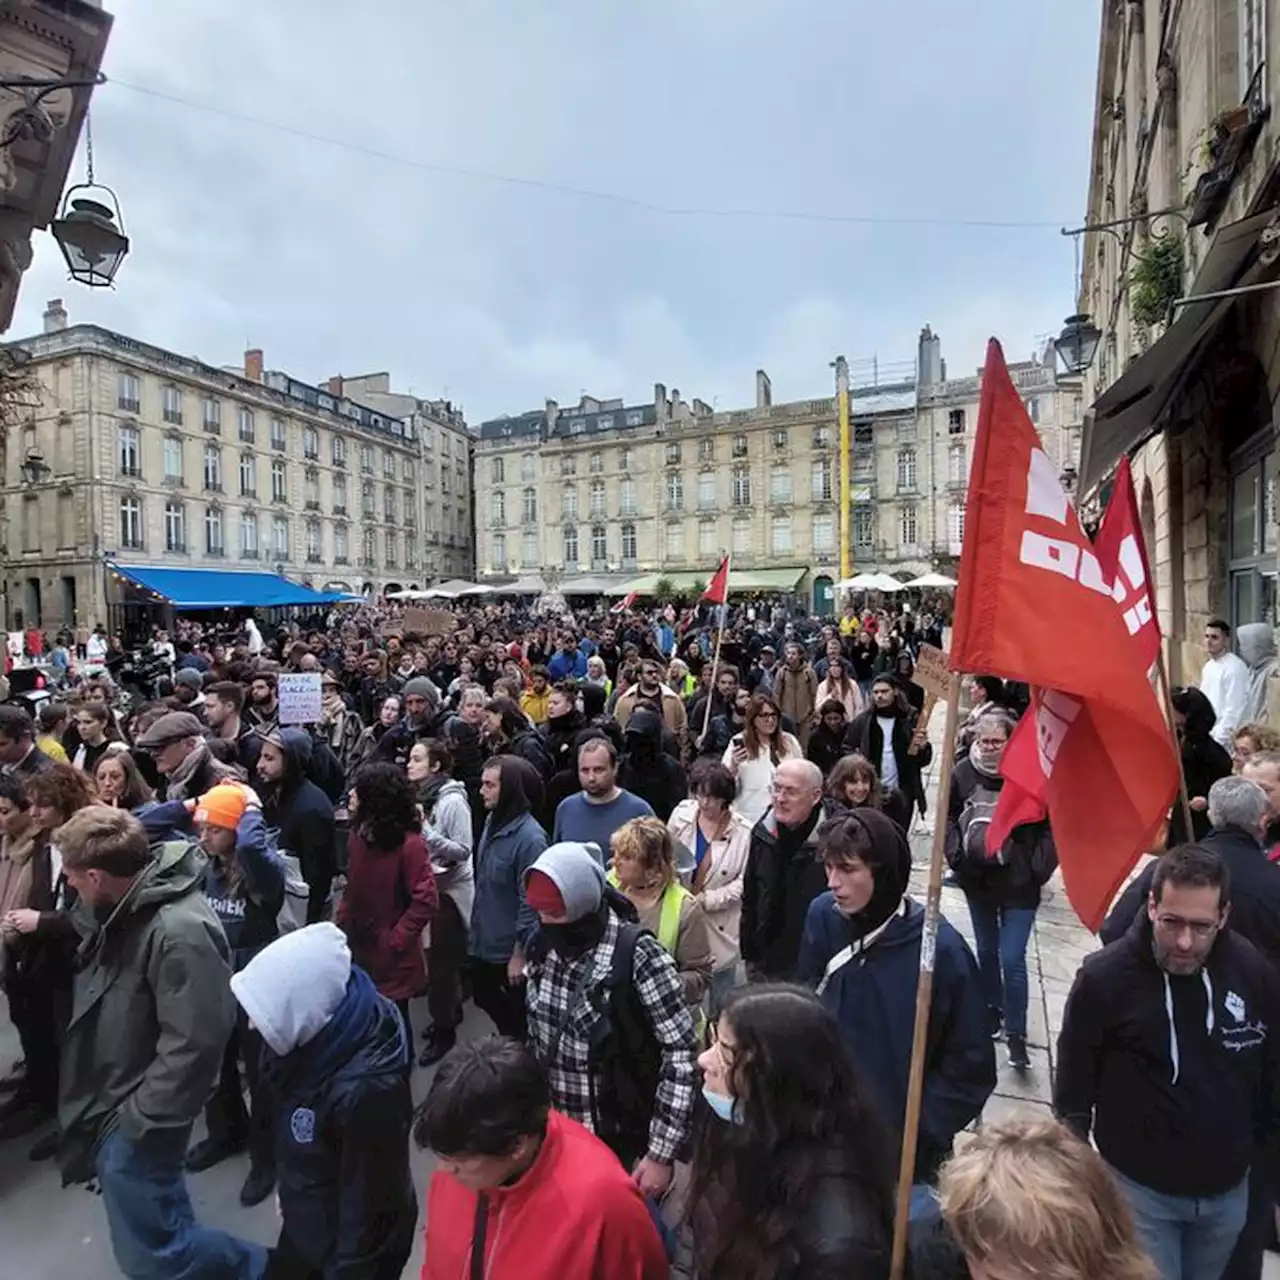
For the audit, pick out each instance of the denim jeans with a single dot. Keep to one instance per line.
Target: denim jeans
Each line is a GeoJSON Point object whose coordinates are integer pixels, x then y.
{"type": "Point", "coordinates": [1001, 934]}
{"type": "Point", "coordinates": [1188, 1237]}
{"type": "Point", "coordinates": [154, 1233]}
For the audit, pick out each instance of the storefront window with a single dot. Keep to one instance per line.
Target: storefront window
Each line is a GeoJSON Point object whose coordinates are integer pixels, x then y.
{"type": "Point", "coordinates": [1253, 539]}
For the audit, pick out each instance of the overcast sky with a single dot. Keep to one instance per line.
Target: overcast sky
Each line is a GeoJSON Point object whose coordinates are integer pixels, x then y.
{"type": "Point", "coordinates": [500, 293]}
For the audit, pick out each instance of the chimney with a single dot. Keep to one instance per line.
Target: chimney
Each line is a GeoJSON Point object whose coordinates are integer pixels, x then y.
{"type": "Point", "coordinates": [334, 386]}
{"type": "Point", "coordinates": [660, 406]}
{"type": "Point", "coordinates": [930, 368]}
{"type": "Point", "coordinates": [553, 413]}
{"type": "Point", "coordinates": [764, 390]}
{"type": "Point", "coordinates": [55, 316]}
{"type": "Point", "coordinates": [253, 364]}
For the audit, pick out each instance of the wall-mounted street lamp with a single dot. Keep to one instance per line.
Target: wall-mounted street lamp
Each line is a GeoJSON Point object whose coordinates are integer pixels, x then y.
{"type": "Point", "coordinates": [1077, 343]}
{"type": "Point", "coordinates": [34, 468]}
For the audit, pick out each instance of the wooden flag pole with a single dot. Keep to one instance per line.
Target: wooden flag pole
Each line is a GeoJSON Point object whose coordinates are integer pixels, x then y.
{"type": "Point", "coordinates": [715, 661]}
{"type": "Point", "coordinates": [924, 988]}
{"type": "Point", "coordinates": [1166, 694]}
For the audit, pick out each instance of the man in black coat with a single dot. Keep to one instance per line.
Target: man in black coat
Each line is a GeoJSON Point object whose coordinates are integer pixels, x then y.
{"type": "Point", "coordinates": [890, 714]}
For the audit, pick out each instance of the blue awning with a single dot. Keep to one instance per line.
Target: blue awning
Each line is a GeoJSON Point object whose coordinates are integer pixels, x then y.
{"type": "Point", "coordinates": [222, 589]}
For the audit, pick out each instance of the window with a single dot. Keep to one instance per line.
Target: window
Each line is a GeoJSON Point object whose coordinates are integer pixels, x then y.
{"type": "Point", "coordinates": [822, 480]}
{"type": "Point", "coordinates": [741, 487]}
{"type": "Point", "coordinates": [391, 549]}
{"type": "Point", "coordinates": [906, 470]}
{"type": "Point", "coordinates": [213, 468]}
{"type": "Point", "coordinates": [529, 549]}
{"type": "Point", "coordinates": [340, 495]}
{"type": "Point", "coordinates": [864, 466]}
{"type": "Point", "coordinates": [569, 502]}
{"type": "Point", "coordinates": [366, 459]}
{"type": "Point", "coordinates": [175, 527]}
{"type": "Point", "coordinates": [131, 523]}
{"type": "Point", "coordinates": [706, 538]}
{"type": "Point", "coordinates": [280, 537]}
{"type": "Point", "coordinates": [499, 552]}
{"type": "Point", "coordinates": [673, 453]}
{"type": "Point", "coordinates": [780, 439]}
{"type": "Point", "coordinates": [1253, 46]}
{"type": "Point", "coordinates": [707, 449]}
{"type": "Point", "coordinates": [780, 484]}
{"type": "Point", "coordinates": [1077, 407]}
{"type": "Point", "coordinates": [497, 470]}
{"type": "Point", "coordinates": [863, 525]}
{"type": "Point", "coordinates": [597, 499]}
{"type": "Point", "coordinates": [388, 465]}
{"type": "Point", "coordinates": [706, 491]}
{"type": "Point", "coordinates": [599, 544]}
{"type": "Point", "coordinates": [310, 442]}
{"type": "Point", "coordinates": [675, 542]}
{"type": "Point", "coordinates": [371, 548]}
{"type": "Point", "coordinates": [408, 472]}
{"type": "Point", "coordinates": [279, 481]}
{"type": "Point", "coordinates": [625, 458]}
{"type": "Point", "coordinates": [444, 446]}
{"type": "Point", "coordinates": [955, 422]}
{"type": "Point", "coordinates": [213, 545]}
{"type": "Point", "coordinates": [596, 463]}
{"type": "Point", "coordinates": [570, 545]}
{"type": "Point", "coordinates": [568, 465]}
{"type": "Point", "coordinates": [739, 446]}
{"type": "Point", "coordinates": [130, 452]}
{"type": "Point", "coordinates": [955, 527]}
{"type": "Point", "coordinates": [211, 415]}
{"type": "Point", "coordinates": [366, 499]}
{"type": "Point", "coordinates": [248, 476]}
{"type": "Point", "coordinates": [389, 505]}
{"type": "Point", "coordinates": [528, 467]}
{"type": "Point", "coordinates": [824, 535]}
{"type": "Point", "coordinates": [172, 405]}
{"type": "Point", "coordinates": [1033, 408]}
{"type": "Point", "coordinates": [604, 422]}
{"type": "Point", "coordinates": [628, 543]}
{"type": "Point", "coordinates": [444, 478]}
{"type": "Point", "coordinates": [498, 507]}
{"type": "Point", "coordinates": [957, 464]}
{"type": "Point", "coordinates": [313, 540]}
{"type": "Point", "coordinates": [741, 537]}
{"type": "Point", "coordinates": [410, 551]}
{"type": "Point", "coordinates": [822, 437]}
{"type": "Point", "coordinates": [173, 459]}
{"type": "Point", "coordinates": [530, 507]}
{"type": "Point", "coordinates": [907, 525]}
{"type": "Point", "coordinates": [635, 418]}
{"type": "Point", "coordinates": [249, 535]}
{"type": "Point", "coordinates": [338, 451]}
{"type": "Point", "coordinates": [246, 428]}
{"type": "Point", "coordinates": [864, 433]}
{"type": "Point", "coordinates": [626, 496]}
{"type": "Point", "coordinates": [340, 543]}
{"type": "Point", "coordinates": [906, 430]}
{"type": "Point", "coordinates": [675, 491]}
{"type": "Point", "coordinates": [129, 393]}
{"type": "Point", "coordinates": [1252, 539]}
{"type": "Point", "coordinates": [311, 488]}
{"type": "Point", "coordinates": [780, 536]}
{"type": "Point", "coordinates": [279, 439]}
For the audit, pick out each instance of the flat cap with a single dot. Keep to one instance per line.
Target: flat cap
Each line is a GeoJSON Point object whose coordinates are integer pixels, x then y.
{"type": "Point", "coordinates": [172, 727]}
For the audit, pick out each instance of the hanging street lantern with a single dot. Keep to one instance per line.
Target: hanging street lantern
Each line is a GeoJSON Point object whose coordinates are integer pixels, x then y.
{"type": "Point", "coordinates": [91, 235]}
{"type": "Point", "coordinates": [1077, 343]}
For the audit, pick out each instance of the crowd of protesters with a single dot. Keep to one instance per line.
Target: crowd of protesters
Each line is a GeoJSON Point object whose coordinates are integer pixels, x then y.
{"type": "Point", "coordinates": [673, 874]}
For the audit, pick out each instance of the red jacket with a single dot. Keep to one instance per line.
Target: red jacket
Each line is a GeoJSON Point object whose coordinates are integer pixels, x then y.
{"type": "Point", "coordinates": [575, 1215]}
{"type": "Point", "coordinates": [391, 897]}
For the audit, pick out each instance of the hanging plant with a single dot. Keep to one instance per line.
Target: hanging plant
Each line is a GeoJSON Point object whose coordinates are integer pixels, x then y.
{"type": "Point", "coordinates": [1155, 280]}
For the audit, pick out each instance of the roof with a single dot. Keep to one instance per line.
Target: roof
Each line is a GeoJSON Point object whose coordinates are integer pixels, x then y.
{"type": "Point", "coordinates": [221, 588]}
{"type": "Point", "coordinates": [521, 426]}
{"type": "Point", "coordinates": [574, 423]}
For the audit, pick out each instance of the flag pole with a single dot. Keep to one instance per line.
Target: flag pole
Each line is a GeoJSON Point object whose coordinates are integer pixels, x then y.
{"type": "Point", "coordinates": [1166, 695]}
{"type": "Point", "coordinates": [715, 661]}
{"type": "Point", "coordinates": [924, 988]}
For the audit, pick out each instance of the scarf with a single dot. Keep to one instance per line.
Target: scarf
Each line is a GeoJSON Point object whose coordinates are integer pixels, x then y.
{"type": "Point", "coordinates": [16, 871]}
{"type": "Point", "coordinates": [332, 706]}
{"type": "Point", "coordinates": [988, 770]}
{"type": "Point", "coordinates": [178, 786]}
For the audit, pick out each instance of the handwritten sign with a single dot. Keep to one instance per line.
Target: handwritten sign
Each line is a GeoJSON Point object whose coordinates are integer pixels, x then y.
{"type": "Point", "coordinates": [300, 697]}
{"type": "Point", "coordinates": [933, 673]}
{"type": "Point", "coordinates": [428, 622]}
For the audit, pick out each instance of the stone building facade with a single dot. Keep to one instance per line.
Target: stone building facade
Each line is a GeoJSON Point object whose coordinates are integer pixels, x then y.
{"type": "Point", "coordinates": [1184, 122]}
{"type": "Point", "coordinates": [153, 458]}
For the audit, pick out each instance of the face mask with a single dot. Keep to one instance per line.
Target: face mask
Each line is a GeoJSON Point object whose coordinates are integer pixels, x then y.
{"type": "Point", "coordinates": [575, 939]}
{"type": "Point", "coordinates": [723, 1105]}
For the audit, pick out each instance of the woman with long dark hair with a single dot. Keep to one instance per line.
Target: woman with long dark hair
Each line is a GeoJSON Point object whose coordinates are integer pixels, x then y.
{"type": "Point", "coordinates": [793, 1174]}
{"type": "Point", "coordinates": [855, 784]}
{"type": "Point", "coordinates": [119, 783]}
{"type": "Point", "coordinates": [754, 755]}
{"type": "Point", "coordinates": [391, 890]}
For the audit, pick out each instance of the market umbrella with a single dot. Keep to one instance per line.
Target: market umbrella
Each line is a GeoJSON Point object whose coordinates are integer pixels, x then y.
{"type": "Point", "coordinates": [939, 580]}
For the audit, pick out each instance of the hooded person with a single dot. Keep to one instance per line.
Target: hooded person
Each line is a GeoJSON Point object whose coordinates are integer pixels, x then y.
{"type": "Point", "coordinates": [595, 714]}
{"type": "Point", "coordinates": [336, 1068]}
{"type": "Point", "coordinates": [1256, 642]}
{"type": "Point", "coordinates": [861, 952]}
{"type": "Point", "coordinates": [1204, 761]}
{"type": "Point", "coordinates": [300, 811]}
{"type": "Point", "coordinates": [646, 770]}
{"type": "Point", "coordinates": [421, 701]}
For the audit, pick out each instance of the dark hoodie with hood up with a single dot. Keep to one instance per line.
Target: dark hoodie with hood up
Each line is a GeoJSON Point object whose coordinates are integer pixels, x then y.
{"type": "Point", "coordinates": [303, 816]}
{"type": "Point", "coordinates": [646, 770]}
{"type": "Point", "coordinates": [865, 969]}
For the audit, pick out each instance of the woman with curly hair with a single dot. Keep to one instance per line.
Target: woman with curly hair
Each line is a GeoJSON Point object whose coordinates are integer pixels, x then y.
{"type": "Point", "coordinates": [391, 890]}
{"type": "Point", "coordinates": [855, 784]}
{"type": "Point", "coordinates": [119, 783]}
{"type": "Point", "coordinates": [754, 755]}
{"type": "Point", "coordinates": [793, 1173]}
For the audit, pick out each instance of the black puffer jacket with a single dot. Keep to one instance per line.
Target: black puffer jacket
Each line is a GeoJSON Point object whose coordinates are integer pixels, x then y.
{"type": "Point", "coordinates": [866, 738]}
{"type": "Point", "coordinates": [646, 770]}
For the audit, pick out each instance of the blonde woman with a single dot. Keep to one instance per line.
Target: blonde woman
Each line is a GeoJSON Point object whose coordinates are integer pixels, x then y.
{"type": "Point", "coordinates": [753, 756]}
{"type": "Point", "coordinates": [643, 866]}
{"type": "Point", "coordinates": [1028, 1200]}
{"type": "Point", "coordinates": [839, 686]}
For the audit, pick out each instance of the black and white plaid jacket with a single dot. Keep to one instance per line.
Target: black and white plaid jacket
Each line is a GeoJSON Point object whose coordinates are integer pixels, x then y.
{"type": "Point", "coordinates": [553, 981]}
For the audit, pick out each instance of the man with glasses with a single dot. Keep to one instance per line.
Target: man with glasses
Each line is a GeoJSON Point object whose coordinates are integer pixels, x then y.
{"type": "Point", "coordinates": [1168, 1057]}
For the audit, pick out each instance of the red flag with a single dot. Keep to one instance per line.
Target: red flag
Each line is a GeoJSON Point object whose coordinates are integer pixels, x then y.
{"type": "Point", "coordinates": [625, 603]}
{"type": "Point", "coordinates": [717, 591]}
{"type": "Point", "coordinates": [1033, 604]}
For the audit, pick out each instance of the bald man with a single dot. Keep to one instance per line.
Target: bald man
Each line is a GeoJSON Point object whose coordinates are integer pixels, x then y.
{"type": "Point", "coordinates": [783, 873]}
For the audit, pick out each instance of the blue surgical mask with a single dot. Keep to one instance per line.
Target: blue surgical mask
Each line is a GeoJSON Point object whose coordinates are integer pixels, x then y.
{"type": "Point", "coordinates": [723, 1105]}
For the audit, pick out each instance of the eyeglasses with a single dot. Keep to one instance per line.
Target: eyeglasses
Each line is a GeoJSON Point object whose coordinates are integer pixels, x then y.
{"type": "Point", "coordinates": [1199, 928]}
{"type": "Point", "coordinates": [785, 793]}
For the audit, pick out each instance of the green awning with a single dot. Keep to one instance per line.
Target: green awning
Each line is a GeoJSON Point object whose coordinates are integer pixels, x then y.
{"type": "Point", "coordinates": [645, 586]}
{"type": "Point", "coordinates": [764, 579]}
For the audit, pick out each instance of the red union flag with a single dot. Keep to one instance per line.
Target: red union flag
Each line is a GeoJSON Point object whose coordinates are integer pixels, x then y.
{"type": "Point", "coordinates": [1123, 557]}
{"type": "Point", "coordinates": [1034, 604]}
{"type": "Point", "coordinates": [717, 591]}
{"type": "Point", "coordinates": [625, 603]}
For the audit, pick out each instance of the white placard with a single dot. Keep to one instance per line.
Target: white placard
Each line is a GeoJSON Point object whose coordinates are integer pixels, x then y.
{"type": "Point", "coordinates": [300, 697]}
{"type": "Point", "coordinates": [16, 644]}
